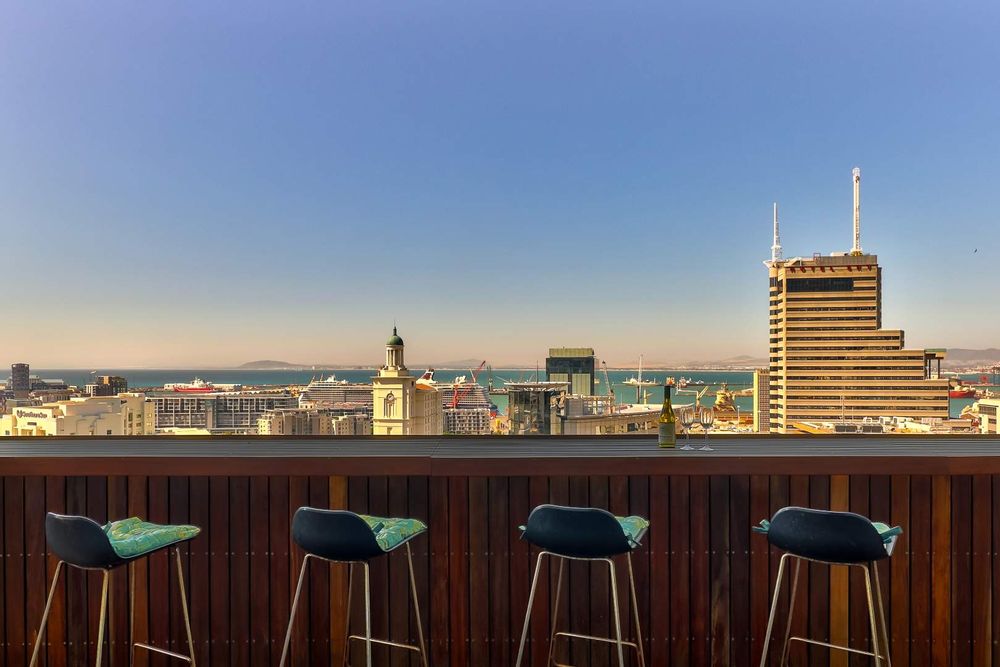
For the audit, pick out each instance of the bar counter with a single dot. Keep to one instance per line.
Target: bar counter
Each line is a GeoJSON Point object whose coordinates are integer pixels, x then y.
{"type": "Point", "coordinates": [704, 578]}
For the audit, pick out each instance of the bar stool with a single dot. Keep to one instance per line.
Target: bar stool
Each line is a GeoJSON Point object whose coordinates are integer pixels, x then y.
{"type": "Point", "coordinates": [833, 538]}
{"type": "Point", "coordinates": [339, 536]}
{"type": "Point", "coordinates": [585, 534]}
{"type": "Point", "coordinates": [82, 543]}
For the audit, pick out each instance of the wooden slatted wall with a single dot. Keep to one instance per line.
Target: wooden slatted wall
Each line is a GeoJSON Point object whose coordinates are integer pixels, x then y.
{"type": "Point", "coordinates": [704, 579]}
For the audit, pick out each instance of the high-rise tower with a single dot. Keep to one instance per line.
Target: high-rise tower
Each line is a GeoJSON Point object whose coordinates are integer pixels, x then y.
{"type": "Point", "coordinates": [830, 358]}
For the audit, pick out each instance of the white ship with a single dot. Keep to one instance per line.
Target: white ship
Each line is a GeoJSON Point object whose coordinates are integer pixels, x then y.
{"type": "Point", "coordinates": [330, 390]}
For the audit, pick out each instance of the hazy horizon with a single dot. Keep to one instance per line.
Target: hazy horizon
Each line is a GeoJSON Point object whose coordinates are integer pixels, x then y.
{"type": "Point", "coordinates": [193, 186]}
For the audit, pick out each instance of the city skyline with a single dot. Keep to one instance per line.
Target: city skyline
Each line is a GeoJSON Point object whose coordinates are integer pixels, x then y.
{"type": "Point", "coordinates": [191, 187]}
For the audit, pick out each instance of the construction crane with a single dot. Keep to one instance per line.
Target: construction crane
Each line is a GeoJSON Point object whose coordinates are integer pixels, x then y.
{"type": "Point", "coordinates": [457, 395]}
{"type": "Point", "coordinates": [698, 393]}
{"type": "Point", "coordinates": [611, 387]}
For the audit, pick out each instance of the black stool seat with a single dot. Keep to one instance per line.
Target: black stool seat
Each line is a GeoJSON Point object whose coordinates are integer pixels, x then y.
{"type": "Point", "coordinates": [582, 532]}
{"type": "Point", "coordinates": [341, 535]}
{"type": "Point", "coordinates": [832, 537]}
{"type": "Point", "coordinates": [82, 542]}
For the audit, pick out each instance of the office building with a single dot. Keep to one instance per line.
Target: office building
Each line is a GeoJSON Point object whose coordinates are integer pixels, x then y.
{"type": "Point", "coordinates": [106, 385]}
{"type": "Point", "coordinates": [530, 406]}
{"type": "Point", "coordinates": [235, 413]}
{"type": "Point", "coordinates": [20, 380]}
{"type": "Point", "coordinates": [830, 357]}
{"type": "Point", "coordinates": [762, 400]}
{"type": "Point", "coordinates": [401, 405]}
{"type": "Point", "coordinates": [575, 365]}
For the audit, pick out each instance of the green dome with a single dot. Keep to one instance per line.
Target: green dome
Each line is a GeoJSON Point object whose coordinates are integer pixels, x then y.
{"type": "Point", "coordinates": [394, 339]}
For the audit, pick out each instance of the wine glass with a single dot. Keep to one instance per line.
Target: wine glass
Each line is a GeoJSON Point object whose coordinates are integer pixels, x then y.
{"type": "Point", "coordinates": [687, 418]}
{"type": "Point", "coordinates": [706, 417]}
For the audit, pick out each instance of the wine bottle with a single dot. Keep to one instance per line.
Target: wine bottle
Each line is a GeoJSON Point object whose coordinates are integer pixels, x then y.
{"type": "Point", "coordinates": [667, 422]}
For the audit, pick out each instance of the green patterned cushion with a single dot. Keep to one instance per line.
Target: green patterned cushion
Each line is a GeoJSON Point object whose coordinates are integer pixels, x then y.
{"type": "Point", "coordinates": [634, 528]}
{"type": "Point", "coordinates": [390, 533]}
{"type": "Point", "coordinates": [134, 537]}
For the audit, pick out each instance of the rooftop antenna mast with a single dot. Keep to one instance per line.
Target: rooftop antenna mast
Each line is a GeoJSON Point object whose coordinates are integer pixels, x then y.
{"type": "Point", "coordinates": [776, 246]}
{"type": "Point", "coordinates": [856, 250]}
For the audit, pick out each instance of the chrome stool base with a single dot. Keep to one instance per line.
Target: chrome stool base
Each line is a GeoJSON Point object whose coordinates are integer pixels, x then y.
{"type": "Point", "coordinates": [105, 600]}
{"type": "Point", "coordinates": [367, 637]}
{"type": "Point", "coordinates": [879, 630]}
{"type": "Point", "coordinates": [619, 643]}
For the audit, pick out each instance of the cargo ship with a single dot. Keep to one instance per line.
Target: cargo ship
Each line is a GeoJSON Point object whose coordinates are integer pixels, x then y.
{"type": "Point", "coordinates": [198, 386]}
{"type": "Point", "coordinates": [958, 389]}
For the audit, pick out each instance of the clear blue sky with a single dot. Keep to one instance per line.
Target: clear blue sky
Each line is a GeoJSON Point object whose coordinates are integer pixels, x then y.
{"type": "Point", "coordinates": [194, 183]}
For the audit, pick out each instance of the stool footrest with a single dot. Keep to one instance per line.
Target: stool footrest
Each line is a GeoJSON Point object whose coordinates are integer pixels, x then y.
{"type": "Point", "coordinates": [609, 640]}
{"type": "Point", "coordinates": [806, 640]}
{"type": "Point", "coordinates": [384, 642]}
{"type": "Point", "coordinates": [163, 651]}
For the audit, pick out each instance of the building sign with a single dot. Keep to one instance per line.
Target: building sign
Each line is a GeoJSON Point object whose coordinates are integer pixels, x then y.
{"type": "Point", "coordinates": [30, 414]}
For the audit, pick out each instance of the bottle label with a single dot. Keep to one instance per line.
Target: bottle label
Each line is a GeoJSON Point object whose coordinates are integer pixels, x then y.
{"type": "Point", "coordinates": [667, 435]}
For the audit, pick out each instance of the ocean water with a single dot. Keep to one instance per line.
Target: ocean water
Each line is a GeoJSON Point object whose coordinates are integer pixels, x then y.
{"type": "Point", "coordinates": [141, 378]}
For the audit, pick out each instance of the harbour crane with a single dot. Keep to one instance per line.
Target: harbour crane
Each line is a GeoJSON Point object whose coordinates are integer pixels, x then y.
{"type": "Point", "coordinates": [457, 395]}
{"type": "Point", "coordinates": [698, 393]}
{"type": "Point", "coordinates": [611, 387]}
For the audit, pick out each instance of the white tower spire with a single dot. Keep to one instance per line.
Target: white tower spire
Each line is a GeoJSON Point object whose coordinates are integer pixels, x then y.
{"type": "Point", "coordinates": [856, 250]}
{"type": "Point", "coordinates": [776, 246]}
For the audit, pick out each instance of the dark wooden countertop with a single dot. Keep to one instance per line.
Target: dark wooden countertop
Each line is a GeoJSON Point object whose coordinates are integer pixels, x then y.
{"type": "Point", "coordinates": [465, 456]}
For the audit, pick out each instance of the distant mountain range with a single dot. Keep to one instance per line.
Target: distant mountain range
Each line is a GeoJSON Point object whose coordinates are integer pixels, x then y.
{"type": "Point", "coordinates": [957, 358]}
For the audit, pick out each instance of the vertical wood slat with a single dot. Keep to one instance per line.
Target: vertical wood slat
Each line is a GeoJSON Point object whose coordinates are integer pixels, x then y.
{"type": "Point", "coordinates": [541, 612]}
{"type": "Point", "coordinates": [739, 542]}
{"type": "Point", "coordinates": [399, 582]}
{"type": "Point", "coordinates": [920, 536]}
{"type": "Point", "coordinates": [13, 550]}
{"type": "Point", "coordinates": [719, 571]}
{"type": "Point", "coordinates": [55, 633]}
{"type": "Point", "coordinates": [760, 599]}
{"type": "Point", "coordinates": [858, 624]}
{"type": "Point", "coordinates": [260, 621]}
{"type": "Point", "coordinates": [118, 604]}
{"type": "Point", "coordinates": [819, 581]}
{"type": "Point", "coordinates": [318, 612]}
{"type": "Point", "coordinates": [798, 496]}
{"type": "Point", "coordinates": [897, 588]}
{"type": "Point", "coordinates": [982, 574]}
{"type": "Point", "coordinates": [179, 513]}
{"type": "Point", "coordinates": [579, 582]}
{"type": "Point", "coordinates": [839, 578]}
{"type": "Point", "coordinates": [941, 570]}
{"type": "Point", "coordinates": [239, 570]}
{"type": "Point", "coordinates": [939, 584]}
{"type": "Point", "coordinates": [670, 570]}
{"type": "Point", "coordinates": [338, 500]}
{"type": "Point", "coordinates": [199, 568]}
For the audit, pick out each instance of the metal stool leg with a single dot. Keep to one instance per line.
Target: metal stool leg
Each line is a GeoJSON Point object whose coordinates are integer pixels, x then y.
{"type": "Point", "coordinates": [527, 613]}
{"type": "Point", "coordinates": [774, 607]}
{"type": "Point", "coordinates": [184, 606]}
{"type": "Point", "coordinates": [618, 620]}
{"type": "Point", "coordinates": [881, 613]}
{"type": "Point", "coordinates": [45, 614]}
{"type": "Point", "coordinates": [104, 616]}
{"type": "Point", "coordinates": [555, 613]}
{"type": "Point", "coordinates": [347, 615]}
{"type": "Point", "coordinates": [368, 617]}
{"type": "Point", "coordinates": [416, 604]}
{"type": "Point", "coordinates": [791, 610]}
{"type": "Point", "coordinates": [871, 616]}
{"type": "Point", "coordinates": [295, 604]}
{"type": "Point", "coordinates": [635, 609]}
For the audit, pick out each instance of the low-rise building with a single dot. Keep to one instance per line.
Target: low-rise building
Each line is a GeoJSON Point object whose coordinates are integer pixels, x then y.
{"type": "Point", "coordinates": [100, 416]}
{"type": "Point", "coordinates": [989, 414]}
{"type": "Point", "coordinates": [310, 421]}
